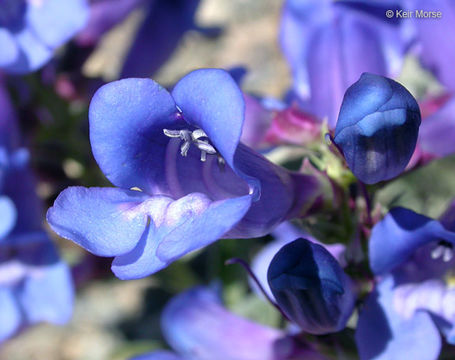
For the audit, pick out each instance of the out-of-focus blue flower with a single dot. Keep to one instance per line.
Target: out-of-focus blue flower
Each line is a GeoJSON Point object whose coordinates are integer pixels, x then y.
{"type": "Point", "coordinates": [383, 333]}
{"type": "Point", "coordinates": [199, 327]}
{"type": "Point", "coordinates": [437, 131]}
{"type": "Point", "coordinates": [310, 287]}
{"type": "Point", "coordinates": [329, 44]}
{"type": "Point", "coordinates": [413, 255]}
{"type": "Point", "coordinates": [377, 128]}
{"type": "Point", "coordinates": [196, 182]}
{"type": "Point", "coordinates": [434, 37]}
{"type": "Point", "coordinates": [164, 24]}
{"type": "Point", "coordinates": [35, 285]}
{"type": "Point", "coordinates": [31, 30]}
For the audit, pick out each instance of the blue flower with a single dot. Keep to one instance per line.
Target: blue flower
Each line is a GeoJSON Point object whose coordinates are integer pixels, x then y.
{"type": "Point", "coordinates": [183, 179]}
{"type": "Point", "coordinates": [30, 31]}
{"type": "Point", "coordinates": [377, 128]}
{"type": "Point", "coordinates": [163, 25]}
{"type": "Point", "coordinates": [434, 36]}
{"type": "Point", "coordinates": [35, 285]}
{"type": "Point", "coordinates": [437, 131]}
{"type": "Point", "coordinates": [198, 327]}
{"type": "Point", "coordinates": [310, 287]}
{"type": "Point", "coordinates": [329, 44]}
{"type": "Point", "coordinates": [413, 257]}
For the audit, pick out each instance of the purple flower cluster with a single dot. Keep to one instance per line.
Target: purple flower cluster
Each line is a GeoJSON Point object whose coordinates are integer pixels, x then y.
{"type": "Point", "coordinates": [35, 284]}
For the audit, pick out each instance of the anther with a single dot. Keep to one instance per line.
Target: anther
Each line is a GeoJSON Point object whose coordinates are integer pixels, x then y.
{"type": "Point", "coordinates": [444, 250]}
{"type": "Point", "coordinates": [193, 137]}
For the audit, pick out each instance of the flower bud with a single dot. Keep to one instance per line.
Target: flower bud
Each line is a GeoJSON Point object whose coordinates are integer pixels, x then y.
{"type": "Point", "coordinates": [377, 128]}
{"type": "Point", "coordinates": [310, 287]}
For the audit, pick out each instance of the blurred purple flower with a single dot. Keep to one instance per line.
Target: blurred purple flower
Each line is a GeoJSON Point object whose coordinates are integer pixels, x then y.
{"type": "Point", "coordinates": [35, 285]}
{"type": "Point", "coordinates": [163, 25]}
{"type": "Point", "coordinates": [413, 257]}
{"type": "Point", "coordinates": [198, 327]}
{"type": "Point", "coordinates": [196, 182]}
{"type": "Point", "coordinates": [437, 131]}
{"type": "Point", "coordinates": [329, 44]}
{"type": "Point", "coordinates": [434, 36]}
{"type": "Point", "coordinates": [257, 122]}
{"type": "Point", "coordinates": [31, 30]}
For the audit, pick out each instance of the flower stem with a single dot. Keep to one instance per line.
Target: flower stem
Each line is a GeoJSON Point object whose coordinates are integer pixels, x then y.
{"type": "Point", "coordinates": [250, 272]}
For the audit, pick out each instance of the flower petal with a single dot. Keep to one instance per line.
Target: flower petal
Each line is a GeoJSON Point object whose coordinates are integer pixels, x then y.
{"type": "Point", "coordinates": [158, 355]}
{"type": "Point", "coordinates": [9, 132]}
{"type": "Point", "coordinates": [8, 217]}
{"type": "Point", "coordinates": [150, 48]}
{"type": "Point", "coordinates": [11, 314]}
{"type": "Point", "coordinates": [47, 294]}
{"type": "Point", "coordinates": [32, 53]}
{"type": "Point", "coordinates": [54, 21]}
{"type": "Point", "coordinates": [127, 118]}
{"type": "Point", "coordinates": [437, 52]}
{"type": "Point", "coordinates": [382, 334]}
{"type": "Point", "coordinates": [104, 221]}
{"type": "Point", "coordinates": [197, 326]}
{"type": "Point", "coordinates": [184, 225]}
{"type": "Point", "coordinates": [278, 194]}
{"type": "Point", "coordinates": [10, 51]}
{"type": "Point", "coordinates": [103, 16]}
{"type": "Point", "coordinates": [211, 100]}
{"type": "Point", "coordinates": [437, 131]}
{"type": "Point", "coordinates": [395, 238]}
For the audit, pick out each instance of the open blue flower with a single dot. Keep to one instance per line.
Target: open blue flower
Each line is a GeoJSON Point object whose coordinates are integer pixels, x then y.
{"type": "Point", "coordinates": [329, 44]}
{"type": "Point", "coordinates": [198, 327]}
{"type": "Point", "coordinates": [183, 179]}
{"type": "Point", "coordinates": [377, 128]}
{"type": "Point", "coordinates": [30, 30]}
{"type": "Point", "coordinates": [413, 257]}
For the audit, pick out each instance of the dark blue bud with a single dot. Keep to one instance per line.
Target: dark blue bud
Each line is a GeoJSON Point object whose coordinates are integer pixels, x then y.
{"type": "Point", "coordinates": [310, 287]}
{"type": "Point", "coordinates": [377, 128]}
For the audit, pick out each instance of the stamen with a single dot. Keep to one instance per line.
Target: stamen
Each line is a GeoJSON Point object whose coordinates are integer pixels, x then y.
{"type": "Point", "coordinates": [444, 250]}
{"type": "Point", "coordinates": [194, 137]}
{"type": "Point", "coordinates": [448, 255]}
